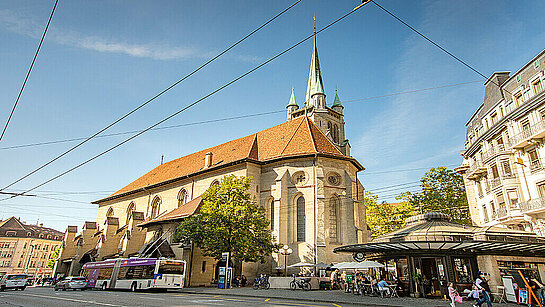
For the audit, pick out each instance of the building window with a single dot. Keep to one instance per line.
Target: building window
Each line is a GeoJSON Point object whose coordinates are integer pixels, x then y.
{"type": "Point", "coordinates": [155, 207]}
{"type": "Point", "coordinates": [537, 87]}
{"type": "Point", "coordinates": [506, 168]}
{"type": "Point", "coordinates": [203, 267]}
{"type": "Point", "coordinates": [479, 188]}
{"type": "Point", "coordinates": [534, 160]}
{"type": "Point", "coordinates": [518, 99]}
{"type": "Point", "coordinates": [485, 213]}
{"type": "Point", "coordinates": [334, 210]}
{"type": "Point", "coordinates": [541, 189]}
{"type": "Point", "coordinates": [130, 209]}
{"type": "Point", "coordinates": [301, 216]}
{"type": "Point", "coordinates": [271, 210]}
{"type": "Point", "coordinates": [182, 197]}
{"type": "Point", "coordinates": [110, 212]}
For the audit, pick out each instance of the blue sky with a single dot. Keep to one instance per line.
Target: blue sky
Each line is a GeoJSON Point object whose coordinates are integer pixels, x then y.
{"type": "Point", "coordinates": [102, 58]}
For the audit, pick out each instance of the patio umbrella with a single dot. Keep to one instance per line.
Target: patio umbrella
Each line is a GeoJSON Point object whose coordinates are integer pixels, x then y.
{"type": "Point", "coordinates": [321, 265]}
{"type": "Point", "coordinates": [301, 265]}
{"type": "Point", "coordinates": [341, 265]}
{"type": "Point", "coordinates": [368, 265]}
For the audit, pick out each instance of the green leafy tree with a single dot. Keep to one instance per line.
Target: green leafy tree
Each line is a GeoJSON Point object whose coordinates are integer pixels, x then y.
{"type": "Point", "coordinates": [443, 191]}
{"type": "Point", "coordinates": [229, 221]}
{"type": "Point", "coordinates": [383, 217]}
{"type": "Point", "coordinates": [52, 258]}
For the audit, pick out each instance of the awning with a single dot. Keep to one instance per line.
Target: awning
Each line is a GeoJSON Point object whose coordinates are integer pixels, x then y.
{"type": "Point", "coordinates": [403, 248]}
{"type": "Point", "coordinates": [358, 265]}
{"type": "Point", "coordinates": [188, 209]}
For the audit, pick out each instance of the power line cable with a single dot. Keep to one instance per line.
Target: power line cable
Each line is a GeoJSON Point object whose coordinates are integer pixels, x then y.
{"type": "Point", "coordinates": [405, 170]}
{"type": "Point", "coordinates": [225, 118]}
{"type": "Point", "coordinates": [436, 44]}
{"type": "Point", "coordinates": [190, 105]}
{"type": "Point", "coordinates": [151, 99]}
{"type": "Point", "coordinates": [29, 70]}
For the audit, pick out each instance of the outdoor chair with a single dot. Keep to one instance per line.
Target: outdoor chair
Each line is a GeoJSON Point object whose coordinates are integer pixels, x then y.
{"type": "Point", "coordinates": [499, 296]}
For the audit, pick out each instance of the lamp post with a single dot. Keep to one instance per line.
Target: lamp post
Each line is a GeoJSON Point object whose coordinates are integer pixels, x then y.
{"type": "Point", "coordinates": [286, 250]}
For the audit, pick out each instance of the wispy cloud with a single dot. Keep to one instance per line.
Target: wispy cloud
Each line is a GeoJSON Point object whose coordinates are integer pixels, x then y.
{"type": "Point", "coordinates": [158, 51]}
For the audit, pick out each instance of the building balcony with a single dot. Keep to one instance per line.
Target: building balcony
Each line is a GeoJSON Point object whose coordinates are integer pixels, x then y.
{"type": "Point", "coordinates": [523, 138]}
{"type": "Point", "coordinates": [537, 204]}
{"type": "Point", "coordinates": [536, 165]}
{"type": "Point", "coordinates": [495, 182]}
{"type": "Point", "coordinates": [502, 212]}
{"type": "Point", "coordinates": [476, 170]}
{"type": "Point", "coordinates": [494, 152]}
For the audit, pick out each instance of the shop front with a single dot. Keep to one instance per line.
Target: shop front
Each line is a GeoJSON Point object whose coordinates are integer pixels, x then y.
{"type": "Point", "coordinates": [430, 251]}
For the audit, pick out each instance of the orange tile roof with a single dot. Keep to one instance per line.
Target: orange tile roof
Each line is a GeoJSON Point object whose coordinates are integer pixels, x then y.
{"type": "Point", "coordinates": [297, 137]}
{"type": "Point", "coordinates": [184, 211]}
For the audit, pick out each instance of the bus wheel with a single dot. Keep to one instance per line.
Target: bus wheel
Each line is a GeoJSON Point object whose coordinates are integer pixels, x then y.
{"type": "Point", "coordinates": [133, 287]}
{"type": "Point", "coordinates": [104, 286]}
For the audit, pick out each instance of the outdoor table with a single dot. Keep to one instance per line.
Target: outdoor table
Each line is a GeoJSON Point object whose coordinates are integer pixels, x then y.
{"type": "Point", "coordinates": [393, 291]}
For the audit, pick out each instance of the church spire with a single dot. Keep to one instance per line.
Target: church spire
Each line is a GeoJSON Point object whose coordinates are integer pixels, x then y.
{"type": "Point", "coordinates": [315, 84]}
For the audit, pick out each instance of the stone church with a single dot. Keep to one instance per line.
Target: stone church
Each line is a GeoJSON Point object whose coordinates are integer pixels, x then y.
{"type": "Point", "coordinates": [303, 175]}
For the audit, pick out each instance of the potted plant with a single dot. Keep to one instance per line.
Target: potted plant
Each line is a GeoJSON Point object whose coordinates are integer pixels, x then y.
{"type": "Point", "coordinates": [417, 279]}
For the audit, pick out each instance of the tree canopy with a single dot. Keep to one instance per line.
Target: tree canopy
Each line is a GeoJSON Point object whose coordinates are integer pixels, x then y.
{"type": "Point", "coordinates": [384, 217]}
{"type": "Point", "coordinates": [229, 221]}
{"type": "Point", "coordinates": [443, 191]}
{"type": "Point", "coordinates": [52, 258]}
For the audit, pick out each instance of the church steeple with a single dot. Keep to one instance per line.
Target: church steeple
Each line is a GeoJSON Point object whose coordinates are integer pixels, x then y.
{"type": "Point", "coordinates": [292, 105]}
{"type": "Point", "coordinates": [315, 84]}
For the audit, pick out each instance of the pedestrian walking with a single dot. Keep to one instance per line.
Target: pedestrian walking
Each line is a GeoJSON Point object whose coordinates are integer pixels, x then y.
{"type": "Point", "coordinates": [475, 294]}
{"type": "Point", "coordinates": [482, 284]}
{"type": "Point", "coordinates": [454, 296]}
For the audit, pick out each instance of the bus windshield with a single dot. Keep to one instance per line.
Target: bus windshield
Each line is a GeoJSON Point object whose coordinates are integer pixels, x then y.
{"type": "Point", "coordinates": [171, 267]}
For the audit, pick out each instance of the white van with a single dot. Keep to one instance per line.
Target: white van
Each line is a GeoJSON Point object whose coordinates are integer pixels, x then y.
{"type": "Point", "coordinates": [13, 281]}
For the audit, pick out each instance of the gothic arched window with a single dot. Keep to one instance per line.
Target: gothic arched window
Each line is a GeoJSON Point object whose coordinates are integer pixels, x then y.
{"type": "Point", "coordinates": [334, 210]}
{"type": "Point", "coordinates": [155, 207]}
{"type": "Point", "coordinates": [301, 217]}
{"type": "Point", "coordinates": [110, 212]}
{"type": "Point", "coordinates": [182, 197]}
{"type": "Point", "coordinates": [336, 133]}
{"type": "Point", "coordinates": [270, 205]}
{"type": "Point", "coordinates": [130, 209]}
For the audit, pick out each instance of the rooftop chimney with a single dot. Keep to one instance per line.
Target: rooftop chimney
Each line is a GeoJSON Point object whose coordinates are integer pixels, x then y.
{"type": "Point", "coordinates": [208, 160]}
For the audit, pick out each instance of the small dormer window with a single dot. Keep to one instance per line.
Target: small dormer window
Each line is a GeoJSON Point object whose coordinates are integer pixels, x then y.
{"type": "Point", "coordinates": [29, 234]}
{"type": "Point", "coordinates": [41, 236]}
{"type": "Point", "coordinates": [11, 234]}
{"type": "Point", "coordinates": [49, 236]}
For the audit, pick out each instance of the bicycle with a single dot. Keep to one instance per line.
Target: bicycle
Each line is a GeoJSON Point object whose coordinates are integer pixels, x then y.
{"type": "Point", "coordinates": [303, 283]}
{"type": "Point", "coordinates": [261, 282]}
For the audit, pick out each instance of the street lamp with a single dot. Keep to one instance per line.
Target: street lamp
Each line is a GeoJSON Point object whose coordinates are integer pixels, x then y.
{"type": "Point", "coordinates": [286, 250]}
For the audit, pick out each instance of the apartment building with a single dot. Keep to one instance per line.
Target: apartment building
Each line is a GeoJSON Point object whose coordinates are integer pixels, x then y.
{"type": "Point", "coordinates": [27, 248]}
{"type": "Point", "coordinates": [503, 167]}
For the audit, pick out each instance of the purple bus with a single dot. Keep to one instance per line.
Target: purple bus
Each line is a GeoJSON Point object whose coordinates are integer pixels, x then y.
{"type": "Point", "coordinates": [135, 274]}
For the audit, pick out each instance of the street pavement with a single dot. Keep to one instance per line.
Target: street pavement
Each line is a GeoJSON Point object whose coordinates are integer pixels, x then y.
{"type": "Point", "coordinates": [240, 297]}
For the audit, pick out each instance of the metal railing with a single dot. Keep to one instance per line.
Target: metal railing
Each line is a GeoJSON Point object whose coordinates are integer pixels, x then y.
{"type": "Point", "coordinates": [535, 165]}
{"type": "Point", "coordinates": [527, 133]}
{"type": "Point", "coordinates": [474, 166]}
{"type": "Point", "coordinates": [502, 212]}
{"type": "Point", "coordinates": [495, 182]}
{"type": "Point", "coordinates": [494, 151]}
{"type": "Point", "coordinates": [533, 204]}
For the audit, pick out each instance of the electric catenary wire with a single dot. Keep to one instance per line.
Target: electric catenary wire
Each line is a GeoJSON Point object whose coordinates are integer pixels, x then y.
{"type": "Point", "coordinates": [190, 105]}
{"type": "Point", "coordinates": [151, 99]}
{"type": "Point", "coordinates": [29, 70]}
{"type": "Point", "coordinates": [436, 44]}
{"type": "Point", "coordinates": [227, 118]}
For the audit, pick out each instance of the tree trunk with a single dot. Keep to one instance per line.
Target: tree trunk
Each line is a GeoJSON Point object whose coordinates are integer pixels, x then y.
{"type": "Point", "coordinates": [237, 268]}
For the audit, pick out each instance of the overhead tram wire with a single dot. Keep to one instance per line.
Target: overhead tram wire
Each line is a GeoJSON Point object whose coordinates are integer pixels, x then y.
{"type": "Point", "coordinates": [151, 99]}
{"type": "Point", "coordinates": [437, 45]}
{"type": "Point", "coordinates": [226, 118]}
{"type": "Point", "coordinates": [29, 70]}
{"type": "Point", "coordinates": [191, 104]}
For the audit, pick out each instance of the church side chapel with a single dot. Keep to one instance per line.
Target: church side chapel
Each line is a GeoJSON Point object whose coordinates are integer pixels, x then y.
{"type": "Point", "coordinates": [303, 175]}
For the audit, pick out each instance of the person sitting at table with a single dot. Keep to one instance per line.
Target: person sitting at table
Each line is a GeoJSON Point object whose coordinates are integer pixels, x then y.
{"type": "Point", "coordinates": [383, 287]}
